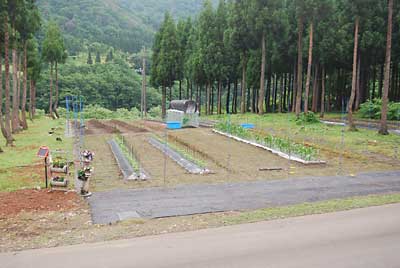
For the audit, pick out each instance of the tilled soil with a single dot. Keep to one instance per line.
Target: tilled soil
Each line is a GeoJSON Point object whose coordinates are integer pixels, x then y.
{"type": "Point", "coordinates": [36, 201]}
{"type": "Point", "coordinates": [125, 127]}
{"type": "Point", "coordinates": [96, 127]}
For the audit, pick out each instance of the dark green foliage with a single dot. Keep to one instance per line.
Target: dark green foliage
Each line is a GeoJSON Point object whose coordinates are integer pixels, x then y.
{"type": "Point", "coordinates": [111, 85]}
{"type": "Point", "coordinates": [372, 110]}
{"type": "Point", "coordinates": [53, 49]}
{"type": "Point", "coordinates": [309, 118]}
{"type": "Point", "coordinates": [123, 24]}
{"type": "Point", "coordinates": [110, 56]}
{"type": "Point", "coordinates": [89, 60]}
{"type": "Point", "coordinates": [98, 58]}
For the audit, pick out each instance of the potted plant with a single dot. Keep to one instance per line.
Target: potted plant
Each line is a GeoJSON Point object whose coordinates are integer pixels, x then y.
{"type": "Point", "coordinates": [87, 156]}
{"type": "Point", "coordinates": [59, 165]}
{"type": "Point", "coordinates": [84, 175]}
{"type": "Point", "coordinates": [59, 182]}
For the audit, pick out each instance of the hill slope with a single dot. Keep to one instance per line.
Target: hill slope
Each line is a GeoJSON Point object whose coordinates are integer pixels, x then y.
{"type": "Point", "coordinates": [123, 24]}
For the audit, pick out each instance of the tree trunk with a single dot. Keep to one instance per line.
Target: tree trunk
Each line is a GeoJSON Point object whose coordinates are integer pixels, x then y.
{"type": "Point", "coordinates": [352, 126]}
{"type": "Point", "coordinates": [228, 96]}
{"type": "Point", "coordinates": [235, 95]}
{"type": "Point", "coordinates": [285, 90]}
{"type": "Point", "coordinates": [299, 66]}
{"type": "Point", "coordinates": [358, 86]}
{"type": "Point", "coordinates": [261, 94]}
{"type": "Point", "coordinates": [383, 128]}
{"type": "Point", "coordinates": [314, 106]}
{"type": "Point", "coordinates": [188, 96]}
{"type": "Point", "coordinates": [15, 108]}
{"type": "Point", "coordinates": [9, 138]}
{"type": "Point", "coordinates": [323, 93]}
{"type": "Point", "coordinates": [373, 83]}
{"type": "Point", "coordinates": [34, 99]}
{"type": "Point", "coordinates": [212, 98]}
{"type": "Point", "coordinates": [51, 92]}
{"type": "Point", "coordinates": [295, 86]}
{"type": "Point", "coordinates": [208, 98]}
{"type": "Point", "coordinates": [31, 99]}
{"type": "Point", "coordinates": [56, 97]}
{"type": "Point", "coordinates": [282, 88]}
{"type": "Point", "coordinates": [381, 81]}
{"type": "Point", "coordinates": [268, 94]}
{"type": "Point", "coordinates": [19, 73]}
{"type": "Point", "coordinates": [243, 85]}
{"type": "Point", "coordinates": [2, 126]}
{"type": "Point", "coordinates": [309, 65]}
{"type": "Point", "coordinates": [24, 92]}
{"type": "Point", "coordinates": [180, 89]}
{"type": "Point", "coordinates": [164, 102]}
{"type": "Point", "coordinates": [199, 89]}
{"type": "Point", "coordinates": [219, 97]}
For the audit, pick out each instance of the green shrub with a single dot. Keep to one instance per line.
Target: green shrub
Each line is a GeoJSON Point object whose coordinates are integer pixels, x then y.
{"type": "Point", "coordinates": [155, 112]}
{"type": "Point", "coordinates": [309, 118]}
{"type": "Point", "coordinates": [372, 110]}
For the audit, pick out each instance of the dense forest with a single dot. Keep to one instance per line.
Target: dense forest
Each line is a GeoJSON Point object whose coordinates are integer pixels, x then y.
{"type": "Point", "coordinates": [276, 56]}
{"type": "Point", "coordinates": [126, 25]}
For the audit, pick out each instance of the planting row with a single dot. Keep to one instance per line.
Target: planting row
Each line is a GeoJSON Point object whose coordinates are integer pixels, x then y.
{"type": "Point", "coordinates": [306, 153]}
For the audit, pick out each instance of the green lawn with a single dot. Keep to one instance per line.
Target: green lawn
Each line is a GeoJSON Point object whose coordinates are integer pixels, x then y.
{"type": "Point", "coordinates": [19, 165]}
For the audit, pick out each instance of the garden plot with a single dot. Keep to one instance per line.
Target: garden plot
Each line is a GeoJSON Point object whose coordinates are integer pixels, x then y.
{"type": "Point", "coordinates": [190, 166]}
{"type": "Point", "coordinates": [244, 161]}
{"type": "Point", "coordinates": [96, 127]}
{"type": "Point", "coordinates": [107, 174]}
{"type": "Point", "coordinates": [124, 127]}
{"type": "Point", "coordinates": [279, 146]}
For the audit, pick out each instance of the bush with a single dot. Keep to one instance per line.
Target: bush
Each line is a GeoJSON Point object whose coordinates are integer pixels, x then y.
{"type": "Point", "coordinates": [98, 112]}
{"type": "Point", "coordinates": [372, 110]}
{"type": "Point", "coordinates": [309, 118]}
{"type": "Point", "coordinates": [155, 112]}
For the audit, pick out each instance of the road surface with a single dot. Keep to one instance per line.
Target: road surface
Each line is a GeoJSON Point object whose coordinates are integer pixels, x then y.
{"type": "Point", "coordinates": [359, 238]}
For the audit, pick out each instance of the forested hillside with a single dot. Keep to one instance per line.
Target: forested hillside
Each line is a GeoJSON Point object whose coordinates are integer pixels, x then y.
{"type": "Point", "coordinates": [123, 24]}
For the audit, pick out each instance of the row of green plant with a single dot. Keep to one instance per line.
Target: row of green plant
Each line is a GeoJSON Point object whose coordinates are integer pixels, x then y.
{"type": "Point", "coordinates": [184, 153]}
{"type": "Point", "coordinates": [372, 110]}
{"type": "Point", "coordinates": [284, 145]}
{"type": "Point", "coordinates": [127, 153]}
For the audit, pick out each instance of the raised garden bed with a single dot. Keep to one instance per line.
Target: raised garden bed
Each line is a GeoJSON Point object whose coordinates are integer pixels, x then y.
{"type": "Point", "coordinates": [281, 147]}
{"type": "Point", "coordinates": [189, 165]}
{"type": "Point", "coordinates": [128, 166]}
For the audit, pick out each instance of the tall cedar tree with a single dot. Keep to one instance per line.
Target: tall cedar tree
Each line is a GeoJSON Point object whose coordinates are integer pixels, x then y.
{"type": "Point", "coordinates": [383, 128]}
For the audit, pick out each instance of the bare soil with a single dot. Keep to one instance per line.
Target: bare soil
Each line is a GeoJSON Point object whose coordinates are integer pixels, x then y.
{"type": "Point", "coordinates": [36, 201]}
{"type": "Point", "coordinates": [125, 127]}
{"type": "Point", "coordinates": [96, 127]}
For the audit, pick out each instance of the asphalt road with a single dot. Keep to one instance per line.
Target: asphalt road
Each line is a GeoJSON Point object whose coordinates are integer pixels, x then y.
{"type": "Point", "coordinates": [359, 238]}
{"type": "Point", "coordinates": [158, 202]}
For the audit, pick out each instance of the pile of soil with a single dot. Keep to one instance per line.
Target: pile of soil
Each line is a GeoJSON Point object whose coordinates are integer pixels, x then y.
{"type": "Point", "coordinates": [125, 127]}
{"type": "Point", "coordinates": [37, 200]}
{"type": "Point", "coordinates": [95, 127]}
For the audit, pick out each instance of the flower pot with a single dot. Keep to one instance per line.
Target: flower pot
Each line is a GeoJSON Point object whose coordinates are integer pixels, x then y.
{"type": "Point", "coordinates": [64, 169]}
{"type": "Point", "coordinates": [55, 182]}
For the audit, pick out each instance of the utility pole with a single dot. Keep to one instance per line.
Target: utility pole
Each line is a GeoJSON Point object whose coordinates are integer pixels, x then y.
{"type": "Point", "coordinates": [143, 99]}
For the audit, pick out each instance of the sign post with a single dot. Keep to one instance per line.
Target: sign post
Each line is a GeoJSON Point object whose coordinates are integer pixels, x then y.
{"type": "Point", "coordinates": [44, 153]}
